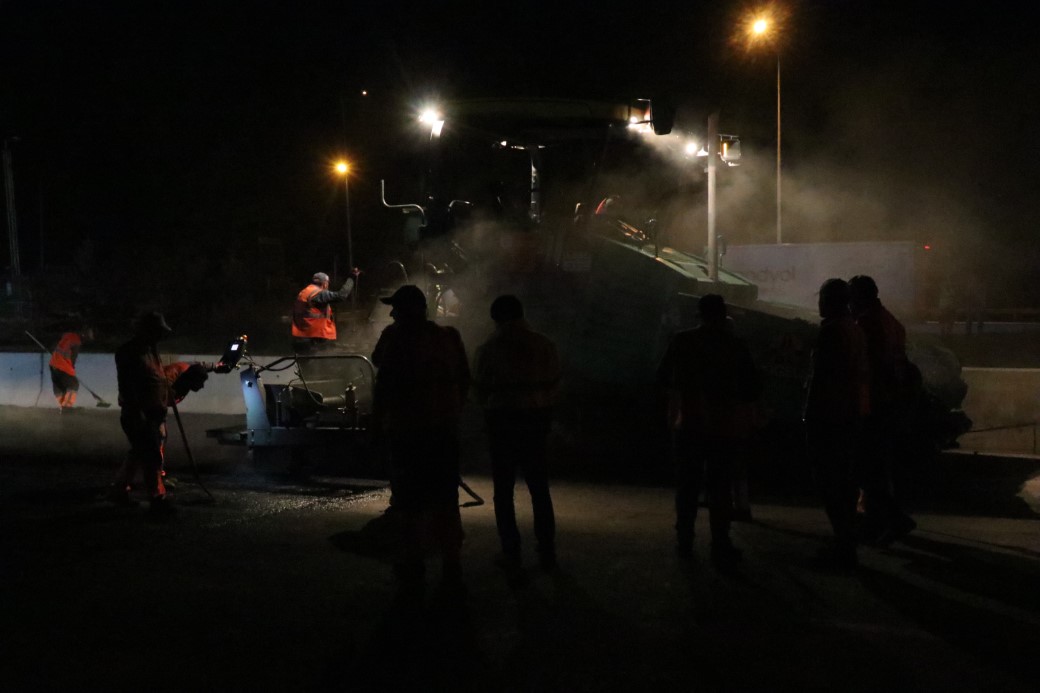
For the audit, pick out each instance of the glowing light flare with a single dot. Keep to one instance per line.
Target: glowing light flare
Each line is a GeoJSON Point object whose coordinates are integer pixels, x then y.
{"type": "Point", "coordinates": [432, 117]}
{"type": "Point", "coordinates": [639, 119]}
{"type": "Point", "coordinates": [764, 26]}
{"type": "Point", "coordinates": [429, 116]}
{"type": "Point", "coordinates": [691, 148]}
{"type": "Point", "coordinates": [342, 167]}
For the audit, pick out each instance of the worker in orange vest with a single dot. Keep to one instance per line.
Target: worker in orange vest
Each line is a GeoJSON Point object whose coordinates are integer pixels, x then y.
{"type": "Point", "coordinates": [313, 327]}
{"type": "Point", "coordinates": [184, 377]}
{"type": "Point", "coordinates": [181, 378]}
{"type": "Point", "coordinates": [63, 367]}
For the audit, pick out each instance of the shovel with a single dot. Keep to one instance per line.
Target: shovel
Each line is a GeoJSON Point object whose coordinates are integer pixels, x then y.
{"type": "Point", "coordinates": [100, 402]}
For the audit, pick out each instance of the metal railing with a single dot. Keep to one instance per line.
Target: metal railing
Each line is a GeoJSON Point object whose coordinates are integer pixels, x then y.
{"type": "Point", "coordinates": [1009, 427]}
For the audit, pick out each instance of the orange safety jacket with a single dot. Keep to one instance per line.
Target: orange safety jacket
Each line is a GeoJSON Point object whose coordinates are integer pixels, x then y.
{"type": "Point", "coordinates": [172, 372]}
{"type": "Point", "coordinates": [64, 356]}
{"type": "Point", "coordinates": [310, 320]}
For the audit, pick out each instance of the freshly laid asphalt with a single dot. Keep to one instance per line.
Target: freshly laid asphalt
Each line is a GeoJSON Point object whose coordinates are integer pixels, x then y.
{"type": "Point", "coordinates": [286, 584]}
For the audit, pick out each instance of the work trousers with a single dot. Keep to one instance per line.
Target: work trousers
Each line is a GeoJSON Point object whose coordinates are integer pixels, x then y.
{"type": "Point", "coordinates": [834, 451]}
{"type": "Point", "coordinates": [704, 459]}
{"type": "Point", "coordinates": [518, 440]}
{"type": "Point", "coordinates": [309, 346]}
{"type": "Point", "coordinates": [145, 433]}
{"type": "Point", "coordinates": [65, 387]}
{"type": "Point", "coordinates": [885, 448]}
{"type": "Point", "coordinates": [425, 490]}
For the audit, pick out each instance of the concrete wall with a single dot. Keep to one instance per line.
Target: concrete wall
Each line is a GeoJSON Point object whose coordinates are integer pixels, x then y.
{"type": "Point", "coordinates": [25, 381]}
{"type": "Point", "coordinates": [996, 396]}
{"type": "Point", "coordinates": [1002, 397]}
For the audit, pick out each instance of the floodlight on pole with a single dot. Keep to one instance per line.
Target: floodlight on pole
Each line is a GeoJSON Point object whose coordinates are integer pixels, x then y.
{"type": "Point", "coordinates": [342, 167]}
{"type": "Point", "coordinates": [433, 118]}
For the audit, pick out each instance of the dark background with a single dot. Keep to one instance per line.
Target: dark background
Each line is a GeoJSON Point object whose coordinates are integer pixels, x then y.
{"type": "Point", "coordinates": [181, 151]}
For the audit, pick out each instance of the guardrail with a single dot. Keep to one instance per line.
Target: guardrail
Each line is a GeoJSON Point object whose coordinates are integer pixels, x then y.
{"type": "Point", "coordinates": [1009, 427]}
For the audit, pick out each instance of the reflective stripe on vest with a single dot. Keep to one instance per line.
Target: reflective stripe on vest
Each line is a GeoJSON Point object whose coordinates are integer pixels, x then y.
{"type": "Point", "coordinates": [309, 320]}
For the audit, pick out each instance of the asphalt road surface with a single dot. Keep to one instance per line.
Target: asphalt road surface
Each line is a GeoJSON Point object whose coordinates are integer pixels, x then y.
{"type": "Point", "coordinates": [286, 584]}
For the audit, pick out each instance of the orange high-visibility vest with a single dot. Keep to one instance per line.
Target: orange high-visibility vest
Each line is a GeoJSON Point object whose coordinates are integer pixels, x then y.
{"type": "Point", "coordinates": [310, 320]}
{"type": "Point", "coordinates": [64, 357]}
{"type": "Point", "coordinates": [172, 372]}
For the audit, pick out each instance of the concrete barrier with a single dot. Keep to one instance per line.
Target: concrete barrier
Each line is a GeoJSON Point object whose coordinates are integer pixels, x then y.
{"type": "Point", "coordinates": [1004, 406]}
{"type": "Point", "coordinates": [25, 381]}
{"type": "Point", "coordinates": [997, 397]}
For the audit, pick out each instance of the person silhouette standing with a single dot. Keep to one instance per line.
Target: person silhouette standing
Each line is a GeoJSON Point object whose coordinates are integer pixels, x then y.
{"type": "Point", "coordinates": [420, 388]}
{"type": "Point", "coordinates": [713, 384]}
{"type": "Point", "coordinates": [837, 400]}
{"type": "Point", "coordinates": [516, 372]}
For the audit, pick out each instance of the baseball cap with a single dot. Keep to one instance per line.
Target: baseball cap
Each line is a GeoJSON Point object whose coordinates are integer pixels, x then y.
{"type": "Point", "coordinates": [408, 296]}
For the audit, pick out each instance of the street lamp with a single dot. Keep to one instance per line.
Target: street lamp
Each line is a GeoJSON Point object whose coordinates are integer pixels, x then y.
{"type": "Point", "coordinates": [763, 27]}
{"type": "Point", "coordinates": [343, 169]}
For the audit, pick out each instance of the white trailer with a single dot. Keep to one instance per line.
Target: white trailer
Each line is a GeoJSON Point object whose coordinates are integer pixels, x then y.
{"type": "Point", "coordinates": [791, 273]}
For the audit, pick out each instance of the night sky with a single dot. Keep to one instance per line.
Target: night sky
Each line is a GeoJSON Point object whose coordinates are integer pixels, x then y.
{"type": "Point", "coordinates": [154, 127]}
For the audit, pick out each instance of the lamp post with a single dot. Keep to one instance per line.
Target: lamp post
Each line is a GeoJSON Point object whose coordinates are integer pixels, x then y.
{"type": "Point", "coordinates": [760, 28]}
{"type": "Point", "coordinates": [343, 168]}
{"type": "Point", "coordinates": [713, 239]}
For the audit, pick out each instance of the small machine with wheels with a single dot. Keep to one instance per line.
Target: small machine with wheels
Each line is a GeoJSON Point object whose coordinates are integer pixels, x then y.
{"type": "Point", "coordinates": [307, 414]}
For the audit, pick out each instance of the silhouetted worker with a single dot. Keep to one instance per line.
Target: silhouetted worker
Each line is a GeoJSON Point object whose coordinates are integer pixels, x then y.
{"type": "Point", "coordinates": [713, 384]}
{"type": "Point", "coordinates": [420, 388]}
{"type": "Point", "coordinates": [313, 326]}
{"type": "Point", "coordinates": [64, 382]}
{"type": "Point", "coordinates": [516, 373]}
{"type": "Point", "coordinates": [144, 393]}
{"type": "Point", "coordinates": [741, 487]}
{"type": "Point", "coordinates": [837, 401]}
{"type": "Point", "coordinates": [891, 398]}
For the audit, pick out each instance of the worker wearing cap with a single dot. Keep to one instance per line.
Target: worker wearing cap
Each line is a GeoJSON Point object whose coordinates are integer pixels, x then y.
{"type": "Point", "coordinates": [313, 326]}
{"type": "Point", "coordinates": [144, 394]}
{"type": "Point", "coordinates": [419, 392]}
{"type": "Point", "coordinates": [63, 367]}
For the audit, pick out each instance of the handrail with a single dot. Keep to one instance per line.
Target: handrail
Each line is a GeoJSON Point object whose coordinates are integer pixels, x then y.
{"type": "Point", "coordinates": [382, 195]}
{"type": "Point", "coordinates": [1027, 424]}
{"type": "Point", "coordinates": [1008, 427]}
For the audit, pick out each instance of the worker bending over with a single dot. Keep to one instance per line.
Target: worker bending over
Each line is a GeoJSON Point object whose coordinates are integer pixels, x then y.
{"type": "Point", "coordinates": [63, 367]}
